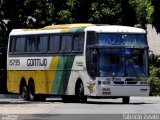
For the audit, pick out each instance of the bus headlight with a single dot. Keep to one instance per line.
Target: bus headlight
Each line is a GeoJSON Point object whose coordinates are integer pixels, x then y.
{"type": "Point", "coordinates": [143, 82]}
{"type": "Point", "coordinates": [99, 82]}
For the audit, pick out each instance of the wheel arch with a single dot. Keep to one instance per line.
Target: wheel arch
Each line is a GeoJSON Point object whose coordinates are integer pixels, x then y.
{"type": "Point", "coordinates": [30, 80]}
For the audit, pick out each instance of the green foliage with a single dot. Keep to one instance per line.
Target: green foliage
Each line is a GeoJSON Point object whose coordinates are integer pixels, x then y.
{"type": "Point", "coordinates": [105, 11]}
{"type": "Point", "coordinates": [155, 72]}
{"type": "Point", "coordinates": [155, 77]}
{"type": "Point", "coordinates": [148, 11]}
{"type": "Point", "coordinates": [65, 16]}
{"type": "Point", "coordinates": [28, 13]}
{"type": "Point", "coordinates": [141, 6]}
{"type": "Point", "coordinates": [155, 86]}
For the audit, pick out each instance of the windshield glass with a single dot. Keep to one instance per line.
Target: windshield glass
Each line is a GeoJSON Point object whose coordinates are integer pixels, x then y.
{"type": "Point", "coordinates": [122, 62]}
{"type": "Point", "coordinates": [117, 39]}
{"type": "Point", "coordinates": [122, 39]}
{"type": "Point", "coordinates": [111, 62]}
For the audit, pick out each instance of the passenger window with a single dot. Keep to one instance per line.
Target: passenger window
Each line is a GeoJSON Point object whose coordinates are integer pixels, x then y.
{"type": "Point", "coordinates": [54, 43]}
{"type": "Point", "coordinates": [42, 44]}
{"type": "Point", "coordinates": [31, 44]}
{"type": "Point", "coordinates": [12, 44]}
{"type": "Point", "coordinates": [66, 44]}
{"type": "Point", "coordinates": [20, 44]}
{"type": "Point", "coordinates": [78, 43]}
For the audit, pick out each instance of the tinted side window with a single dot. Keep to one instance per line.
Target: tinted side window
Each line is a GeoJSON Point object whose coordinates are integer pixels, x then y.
{"type": "Point", "coordinates": [91, 38]}
{"type": "Point", "coordinates": [31, 44]}
{"type": "Point", "coordinates": [12, 44]}
{"type": "Point", "coordinates": [66, 44]}
{"type": "Point", "coordinates": [20, 44]}
{"type": "Point", "coordinates": [54, 43]}
{"type": "Point", "coordinates": [42, 44]}
{"type": "Point", "coordinates": [78, 43]}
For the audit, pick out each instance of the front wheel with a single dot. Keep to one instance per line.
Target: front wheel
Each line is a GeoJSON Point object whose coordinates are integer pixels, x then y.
{"type": "Point", "coordinates": [80, 93]}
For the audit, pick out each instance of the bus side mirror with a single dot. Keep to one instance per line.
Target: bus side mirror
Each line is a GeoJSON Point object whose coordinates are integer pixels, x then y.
{"type": "Point", "coordinates": [94, 56]}
{"type": "Point", "coordinates": [151, 58]}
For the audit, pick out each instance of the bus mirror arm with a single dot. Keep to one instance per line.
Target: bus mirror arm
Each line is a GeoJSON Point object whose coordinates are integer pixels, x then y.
{"type": "Point", "coordinates": [151, 57]}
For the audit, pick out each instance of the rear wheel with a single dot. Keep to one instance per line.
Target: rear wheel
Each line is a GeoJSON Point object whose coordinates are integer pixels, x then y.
{"type": "Point", "coordinates": [80, 97]}
{"type": "Point", "coordinates": [31, 91]}
{"type": "Point", "coordinates": [32, 95]}
{"type": "Point", "coordinates": [125, 100]}
{"type": "Point", "coordinates": [24, 92]}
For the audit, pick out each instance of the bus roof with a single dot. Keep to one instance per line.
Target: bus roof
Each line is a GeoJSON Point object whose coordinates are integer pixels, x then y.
{"type": "Point", "coordinates": [114, 28]}
{"type": "Point", "coordinates": [52, 29]}
{"type": "Point", "coordinates": [67, 26]}
{"type": "Point", "coordinates": [81, 27]}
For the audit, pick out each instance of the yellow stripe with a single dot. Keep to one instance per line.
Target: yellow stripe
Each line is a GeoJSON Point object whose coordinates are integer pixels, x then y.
{"type": "Point", "coordinates": [52, 71]}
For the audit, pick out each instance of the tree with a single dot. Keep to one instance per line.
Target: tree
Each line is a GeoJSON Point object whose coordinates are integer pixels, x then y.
{"type": "Point", "coordinates": [148, 11]}
{"type": "Point", "coordinates": [128, 15]}
{"type": "Point", "coordinates": [28, 13]}
{"type": "Point", "coordinates": [121, 12]}
{"type": "Point", "coordinates": [141, 6]}
{"type": "Point", "coordinates": [105, 11]}
{"type": "Point", "coordinates": [155, 15]}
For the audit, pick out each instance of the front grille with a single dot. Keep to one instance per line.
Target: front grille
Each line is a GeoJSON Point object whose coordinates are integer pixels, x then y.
{"type": "Point", "coordinates": [118, 82]}
{"type": "Point", "coordinates": [129, 81]}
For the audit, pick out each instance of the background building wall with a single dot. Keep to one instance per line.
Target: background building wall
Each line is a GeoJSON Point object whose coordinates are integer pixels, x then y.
{"type": "Point", "coordinates": [153, 39]}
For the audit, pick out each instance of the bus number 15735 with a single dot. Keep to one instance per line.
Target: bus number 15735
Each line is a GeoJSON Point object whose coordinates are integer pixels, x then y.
{"type": "Point", "coordinates": [14, 62]}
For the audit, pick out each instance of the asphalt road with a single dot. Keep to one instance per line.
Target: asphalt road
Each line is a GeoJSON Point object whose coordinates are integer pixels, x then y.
{"type": "Point", "coordinates": [54, 106]}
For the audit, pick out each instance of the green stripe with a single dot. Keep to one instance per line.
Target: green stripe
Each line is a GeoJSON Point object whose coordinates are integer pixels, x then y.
{"type": "Point", "coordinates": [62, 74]}
{"type": "Point", "coordinates": [66, 74]}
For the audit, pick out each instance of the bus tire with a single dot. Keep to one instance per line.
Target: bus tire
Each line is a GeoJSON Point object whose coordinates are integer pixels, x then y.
{"type": "Point", "coordinates": [24, 92]}
{"type": "Point", "coordinates": [32, 95]}
{"type": "Point", "coordinates": [31, 91]}
{"type": "Point", "coordinates": [125, 100]}
{"type": "Point", "coordinates": [79, 93]}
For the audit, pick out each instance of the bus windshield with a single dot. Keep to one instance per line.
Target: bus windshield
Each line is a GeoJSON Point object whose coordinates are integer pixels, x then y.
{"type": "Point", "coordinates": [122, 39]}
{"type": "Point", "coordinates": [121, 62]}
{"type": "Point", "coordinates": [117, 54]}
{"type": "Point", "coordinates": [117, 39]}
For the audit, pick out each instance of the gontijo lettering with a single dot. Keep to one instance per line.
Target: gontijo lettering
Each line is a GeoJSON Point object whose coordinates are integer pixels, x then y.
{"type": "Point", "coordinates": [37, 62]}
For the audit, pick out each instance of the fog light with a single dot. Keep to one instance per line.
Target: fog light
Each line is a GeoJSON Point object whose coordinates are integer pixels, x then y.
{"type": "Point", "coordinates": [104, 82]}
{"type": "Point", "coordinates": [143, 82]}
{"type": "Point", "coordinates": [99, 82]}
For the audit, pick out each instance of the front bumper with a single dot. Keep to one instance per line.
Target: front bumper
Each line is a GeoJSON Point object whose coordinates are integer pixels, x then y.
{"type": "Point", "coordinates": [109, 91]}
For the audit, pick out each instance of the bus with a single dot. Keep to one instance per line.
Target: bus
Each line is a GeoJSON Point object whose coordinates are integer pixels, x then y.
{"type": "Point", "coordinates": [76, 61]}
